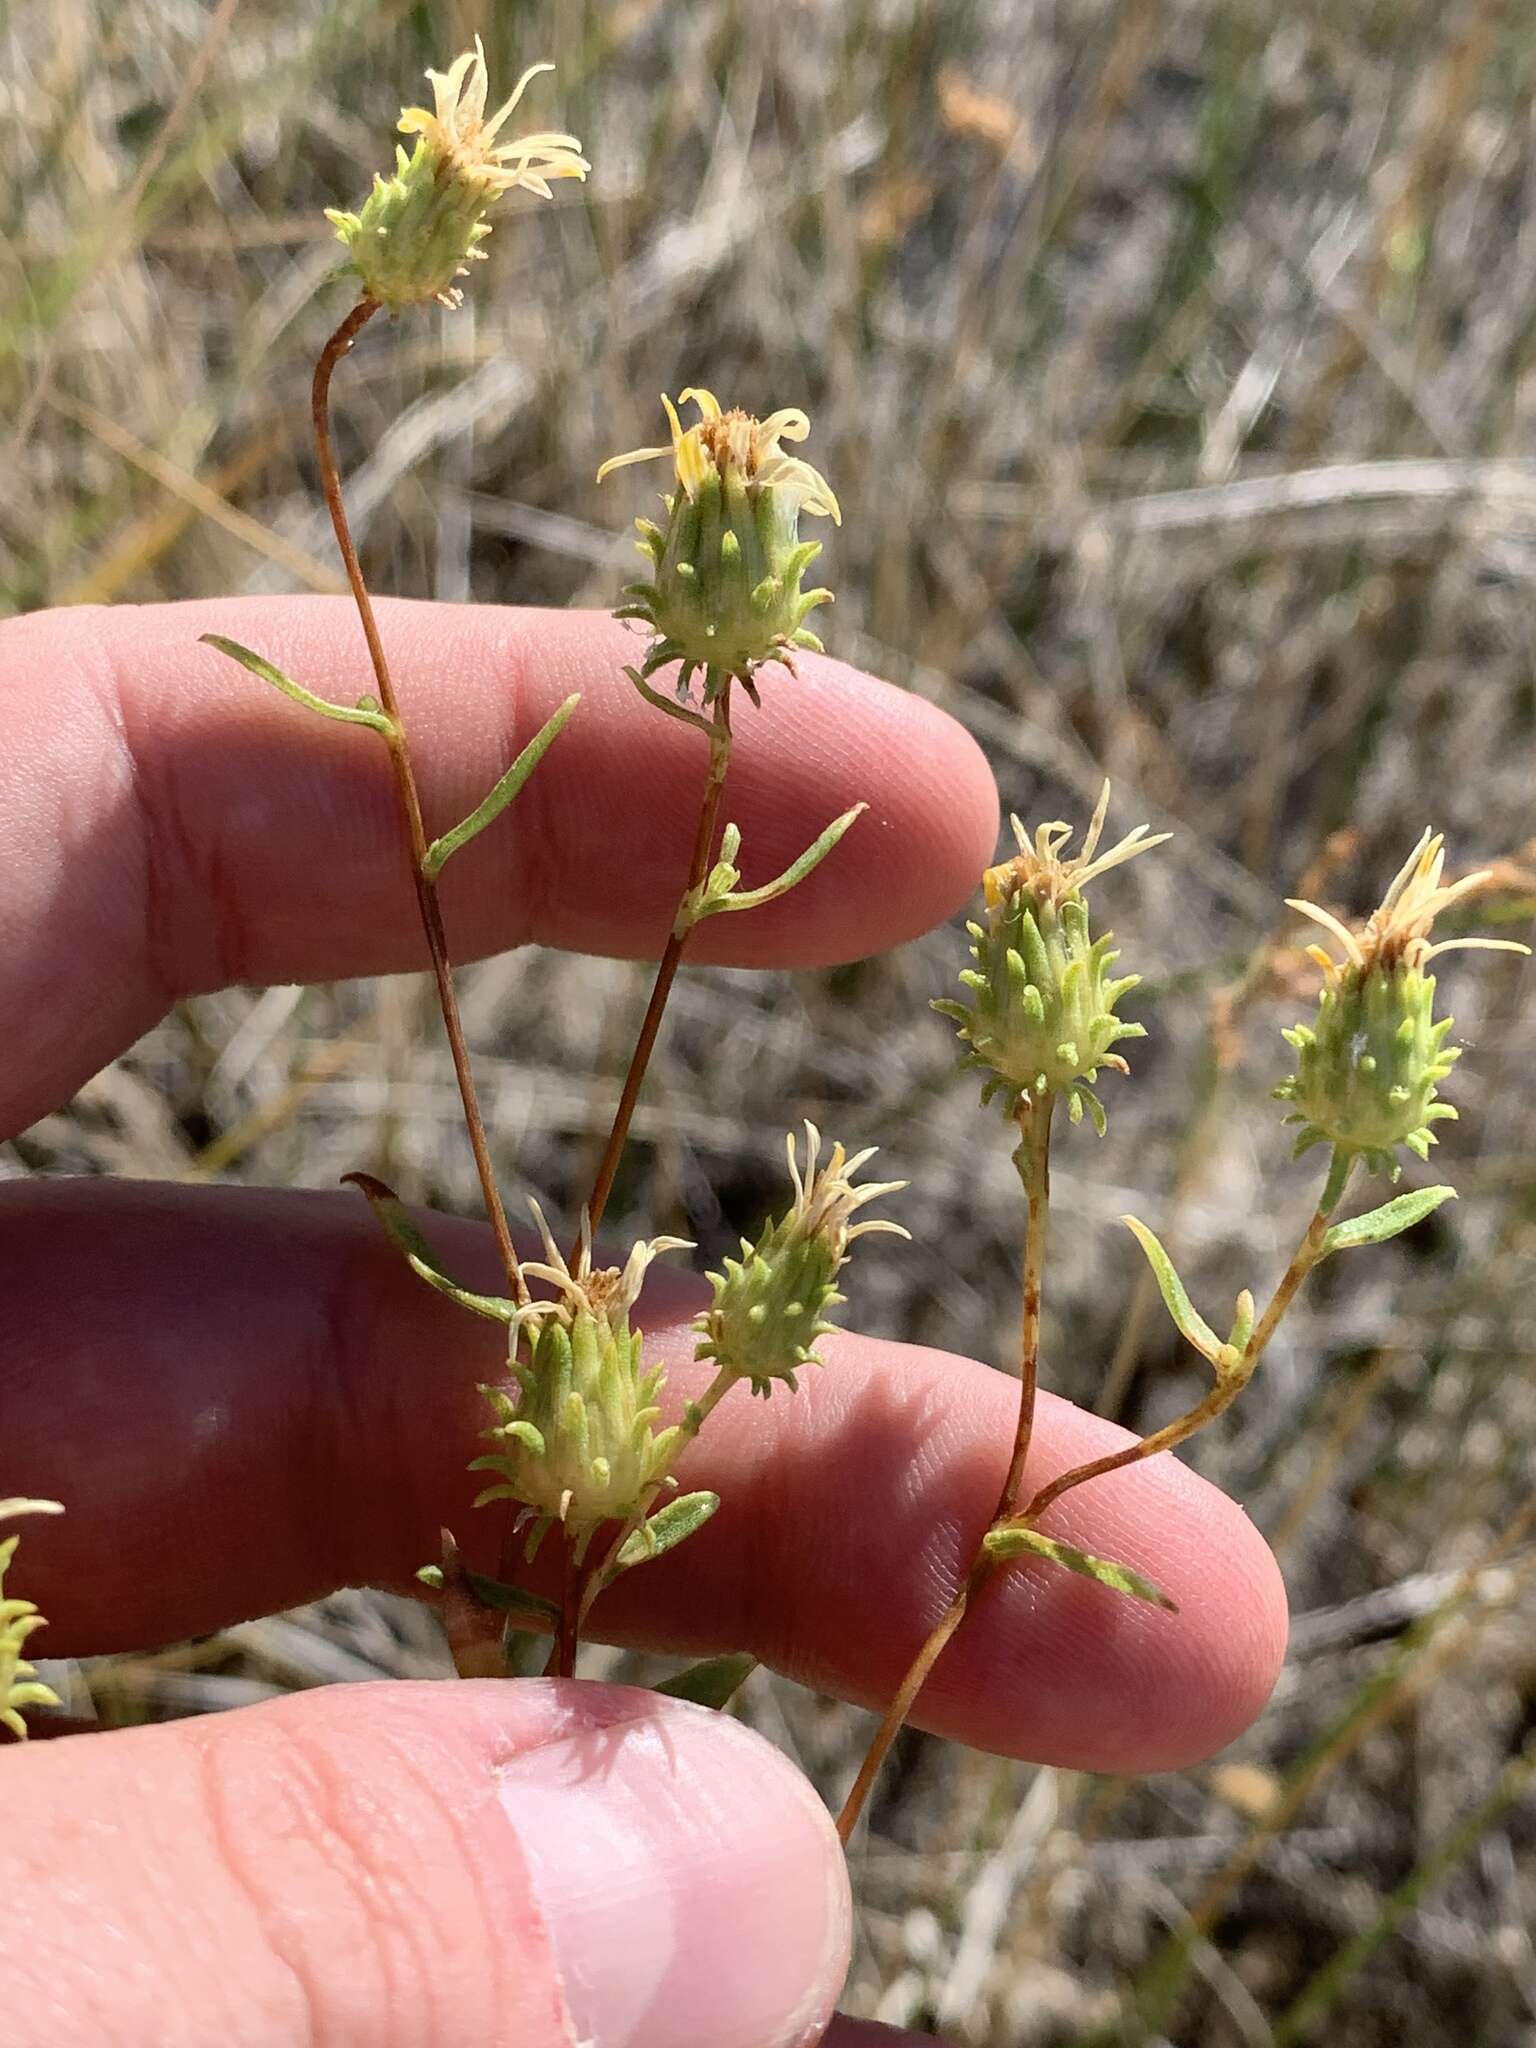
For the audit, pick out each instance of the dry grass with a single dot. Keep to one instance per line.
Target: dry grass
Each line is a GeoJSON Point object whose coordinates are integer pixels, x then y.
{"type": "Point", "coordinates": [1174, 359]}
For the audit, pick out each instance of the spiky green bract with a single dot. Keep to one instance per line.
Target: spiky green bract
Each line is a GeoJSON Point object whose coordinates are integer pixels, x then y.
{"type": "Point", "coordinates": [1369, 1065]}
{"type": "Point", "coordinates": [728, 590]}
{"type": "Point", "coordinates": [727, 587]}
{"type": "Point", "coordinates": [19, 1684]}
{"type": "Point", "coordinates": [770, 1305]}
{"type": "Point", "coordinates": [1042, 1012]}
{"type": "Point", "coordinates": [576, 1445]}
{"type": "Point", "coordinates": [1041, 1016]}
{"type": "Point", "coordinates": [415, 232]}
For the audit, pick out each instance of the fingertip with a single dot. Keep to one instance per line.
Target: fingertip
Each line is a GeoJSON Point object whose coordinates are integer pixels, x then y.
{"type": "Point", "coordinates": [691, 1883]}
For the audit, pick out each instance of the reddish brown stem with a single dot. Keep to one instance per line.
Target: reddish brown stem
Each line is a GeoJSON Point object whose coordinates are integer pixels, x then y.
{"type": "Point", "coordinates": [1034, 1163]}
{"type": "Point", "coordinates": [562, 1657]}
{"type": "Point", "coordinates": [671, 959]}
{"type": "Point", "coordinates": [406, 790]}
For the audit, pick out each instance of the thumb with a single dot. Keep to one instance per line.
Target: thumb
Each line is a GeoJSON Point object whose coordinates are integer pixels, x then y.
{"type": "Point", "coordinates": [421, 1865]}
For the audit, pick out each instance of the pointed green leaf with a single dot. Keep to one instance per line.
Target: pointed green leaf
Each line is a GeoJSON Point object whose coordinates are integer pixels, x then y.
{"type": "Point", "coordinates": [1175, 1299]}
{"type": "Point", "coordinates": [672, 709]}
{"type": "Point", "coordinates": [494, 1593]}
{"type": "Point", "coordinates": [1005, 1543]}
{"type": "Point", "coordinates": [813, 856]}
{"type": "Point", "coordinates": [260, 666]}
{"type": "Point", "coordinates": [420, 1257]}
{"type": "Point", "coordinates": [713, 1683]}
{"type": "Point", "coordinates": [1377, 1225]}
{"type": "Point", "coordinates": [441, 850]}
{"type": "Point", "coordinates": [667, 1528]}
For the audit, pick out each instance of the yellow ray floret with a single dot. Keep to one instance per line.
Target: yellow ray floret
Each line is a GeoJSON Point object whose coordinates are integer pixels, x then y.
{"type": "Point", "coordinates": [721, 442]}
{"type": "Point", "coordinates": [1398, 930]}
{"type": "Point", "coordinates": [456, 130]}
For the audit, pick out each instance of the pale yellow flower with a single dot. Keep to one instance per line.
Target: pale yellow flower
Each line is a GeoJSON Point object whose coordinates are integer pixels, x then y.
{"type": "Point", "coordinates": [722, 443]}
{"type": "Point", "coordinates": [1039, 867]}
{"type": "Point", "coordinates": [464, 141]}
{"type": "Point", "coordinates": [1398, 930]}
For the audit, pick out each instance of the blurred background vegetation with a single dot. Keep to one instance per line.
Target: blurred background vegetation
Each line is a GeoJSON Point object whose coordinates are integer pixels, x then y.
{"type": "Point", "coordinates": [1174, 362]}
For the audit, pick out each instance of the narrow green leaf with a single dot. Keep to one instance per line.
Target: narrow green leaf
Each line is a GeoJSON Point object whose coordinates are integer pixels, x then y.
{"type": "Point", "coordinates": [667, 704]}
{"type": "Point", "coordinates": [667, 1528]}
{"type": "Point", "coordinates": [1242, 1324]}
{"type": "Point", "coordinates": [420, 1257]}
{"type": "Point", "coordinates": [441, 850]}
{"type": "Point", "coordinates": [1006, 1543]}
{"type": "Point", "coordinates": [1377, 1225]}
{"type": "Point", "coordinates": [260, 666]}
{"type": "Point", "coordinates": [713, 1683]}
{"type": "Point", "coordinates": [813, 856]}
{"type": "Point", "coordinates": [494, 1593]}
{"type": "Point", "coordinates": [1175, 1299]}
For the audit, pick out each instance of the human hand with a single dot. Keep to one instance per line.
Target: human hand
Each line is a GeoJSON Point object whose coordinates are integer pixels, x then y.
{"type": "Point", "coordinates": [246, 1402]}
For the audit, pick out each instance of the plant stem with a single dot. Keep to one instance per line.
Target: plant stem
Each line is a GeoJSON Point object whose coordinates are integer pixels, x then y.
{"type": "Point", "coordinates": [1231, 1384]}
{"type": "Point", "coordinates": [1035, 1172]}
{"type": "Point", "coordinates": [1034, 1164]}
{"type": "Point", "coordinates": [1034, 1168]}
{"type": "Point", "coordinates": [671, 959]}
{"type": "Point", "coordinates": [562, 1658]}
{"type": "Point", "coordinates": [406, 790]}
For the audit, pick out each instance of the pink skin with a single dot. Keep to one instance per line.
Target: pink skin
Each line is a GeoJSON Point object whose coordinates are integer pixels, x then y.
{"type": "Point", "coordinates": [260, 1404]}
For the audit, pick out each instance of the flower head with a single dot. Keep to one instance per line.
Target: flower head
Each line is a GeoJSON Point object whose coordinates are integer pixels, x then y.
{"type": "Point", "coordinates": [418, 228]}
{"type": "Point", "coordinates": [19, 1684]}
{"type": "Point", "coordinates": [1041, 1015]}
{"type": "Point", "coordinates": [727, 592]}
{"type": "Point", "coordinates": [1368, 1067]}
{"type": "Point", "coordinates": [576, 1444]}
{"type": "Point", "coordinates": [770, 1305]}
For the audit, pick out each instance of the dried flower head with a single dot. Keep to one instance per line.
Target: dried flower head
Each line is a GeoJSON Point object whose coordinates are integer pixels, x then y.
{"type": "Point", "coordinates": [1041, 1015]}
{"type": "Point", "coordinates": [19, 1684]}
{"type": "Point", "coordinates": [576, 1444]}
{"type": "Point", "coordinates": [418, 228]}
{"type": "Point", "coordinates": [727, 592]}
{"type": "Point", "coordinates": [770, 1305]}
{"type": "Point", "coordinates": [1369, 1066]}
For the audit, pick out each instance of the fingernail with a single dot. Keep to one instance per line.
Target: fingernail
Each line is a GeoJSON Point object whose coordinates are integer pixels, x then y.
{"type": "Point", "coordinates": [689, 1879]}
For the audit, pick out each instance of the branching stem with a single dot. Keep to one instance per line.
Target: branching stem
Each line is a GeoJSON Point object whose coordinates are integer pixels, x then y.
{"type": "Point", "coordinates": [406, 789]}
{"type": "Point", "coordinates": [1220, 1397]}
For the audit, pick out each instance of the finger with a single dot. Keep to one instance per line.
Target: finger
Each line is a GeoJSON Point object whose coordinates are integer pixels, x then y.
{"type": "Point", "coordinates": [168, 823]}
{"type": "Point", "coordinates": [530, 1865]}
{"type": "Point", "coordinates": [300, 1410]}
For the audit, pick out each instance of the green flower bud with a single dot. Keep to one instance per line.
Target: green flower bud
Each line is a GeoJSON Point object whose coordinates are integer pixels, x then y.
{"type": "Point", "coordinates": [19, 1684]}
{"type": "Point", "coordinates": [1041, 1015]}
{"type": "Point", "coordinates": [770, 1305]}
{"type": "Point", "coordinates": [419, 228]}
{"type": "Point", "coordinates": [1369, 1065]}
{"type": "Point", "coordinates": [727, 591]}
{"type": "Point", "coordinates": [576, 1444]}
